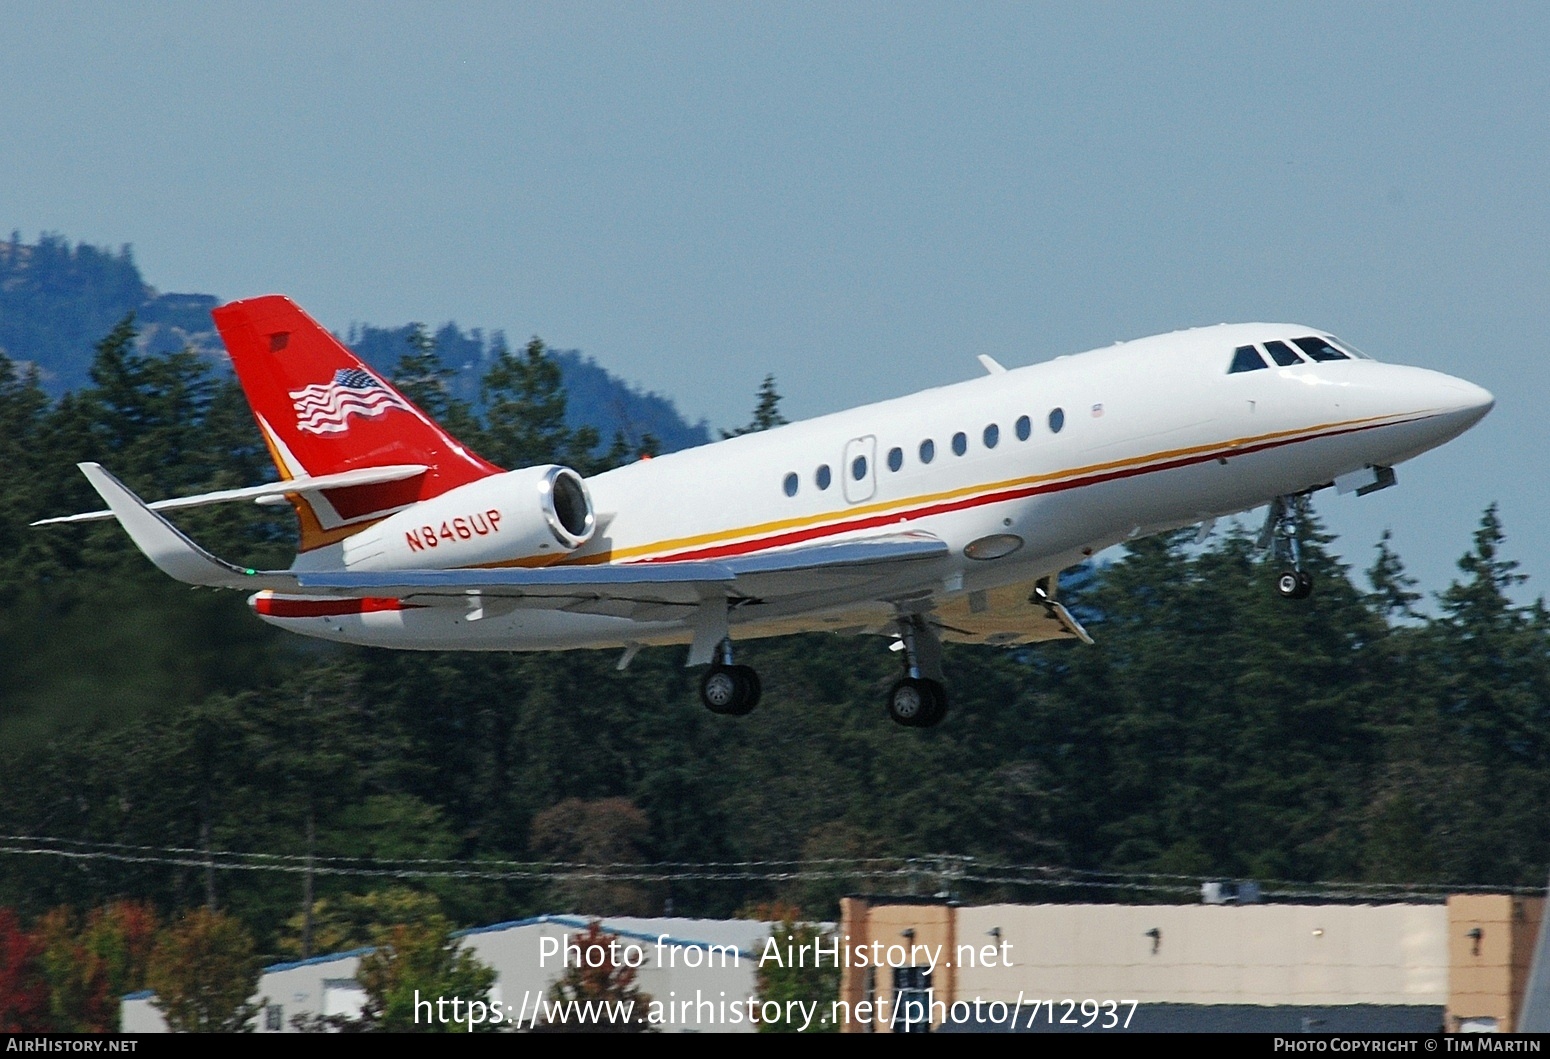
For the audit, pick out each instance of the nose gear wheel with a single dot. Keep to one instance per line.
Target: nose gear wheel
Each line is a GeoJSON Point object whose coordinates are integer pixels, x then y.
{"type": "Point", "coordinates": [1280, 536]}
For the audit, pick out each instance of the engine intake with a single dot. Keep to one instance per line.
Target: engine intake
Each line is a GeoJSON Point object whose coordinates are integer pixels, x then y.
{"type": "Point", "coordinates": [568, 506]}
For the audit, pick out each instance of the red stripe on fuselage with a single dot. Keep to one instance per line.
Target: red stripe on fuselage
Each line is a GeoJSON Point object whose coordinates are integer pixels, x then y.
{"type": "Point", "coordinates": [893, 518]}
{"type": "Point", "coordinates": [288, 607]}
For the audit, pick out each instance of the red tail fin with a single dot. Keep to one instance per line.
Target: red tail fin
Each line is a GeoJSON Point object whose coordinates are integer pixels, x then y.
{"type": "Point", "coordinates": [322, 411]}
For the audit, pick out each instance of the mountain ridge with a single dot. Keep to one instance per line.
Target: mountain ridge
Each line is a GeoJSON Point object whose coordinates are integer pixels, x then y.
{"type": "Point", "coordinates": [57, 300]}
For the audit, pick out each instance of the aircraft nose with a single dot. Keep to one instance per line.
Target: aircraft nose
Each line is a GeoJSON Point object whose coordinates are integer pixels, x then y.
{"type": "Point", "coordinates": [1466, 401]}
{"type": "Point", "coordinates": [1451, 405]}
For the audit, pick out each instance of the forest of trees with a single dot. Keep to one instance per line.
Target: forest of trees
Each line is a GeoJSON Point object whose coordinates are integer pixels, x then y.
{"type": "Point", "coordinates": [161, 746]}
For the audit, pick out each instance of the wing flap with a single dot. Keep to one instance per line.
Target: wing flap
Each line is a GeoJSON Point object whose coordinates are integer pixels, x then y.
{"type": "Point", "coordinates": [644, 583]}
{"type": "Point", "coordinates": [1002, 617]}
{"type": "Point", "coordinates": [625, 588]}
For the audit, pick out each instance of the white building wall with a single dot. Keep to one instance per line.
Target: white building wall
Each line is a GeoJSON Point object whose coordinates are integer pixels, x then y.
{"type": "Point", "coordinates": [136, 1014]}
{"type": "Point", "coordinates": [681, 961]}
{"type": "Point", "coordinates": [1210, 954]}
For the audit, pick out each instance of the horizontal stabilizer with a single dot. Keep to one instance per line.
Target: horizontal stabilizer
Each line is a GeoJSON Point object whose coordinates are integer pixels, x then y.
{"type": "Point", "coordinates": [273, 491]}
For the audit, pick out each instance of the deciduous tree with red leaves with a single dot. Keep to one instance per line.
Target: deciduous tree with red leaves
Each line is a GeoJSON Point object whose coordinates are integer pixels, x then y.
{"type": "Point", "coordinates": [23, 986]}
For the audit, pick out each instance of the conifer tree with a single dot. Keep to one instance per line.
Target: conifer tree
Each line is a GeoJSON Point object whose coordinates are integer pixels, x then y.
{"type": "Point", "coordinates": [766, 411]}
{"type": "Point", "coordinates": [424, 379]}
{"type": "Point", "coordinates": [524, 404]}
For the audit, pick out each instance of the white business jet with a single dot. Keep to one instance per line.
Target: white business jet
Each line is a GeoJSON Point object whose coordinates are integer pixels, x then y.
{"type": "Point", "coordinates": [943, 516]}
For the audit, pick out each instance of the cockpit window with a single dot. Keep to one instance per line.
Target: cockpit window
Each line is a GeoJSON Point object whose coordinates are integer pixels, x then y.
{"type": "Point", "coordinates": [1346, 346]}
{"type": "Point", "coordinates": [1319, 349]}
{"type": "Point", "coordinates": [1246, 358]}
{"type": "Point", "coordinates": [1282, 354]}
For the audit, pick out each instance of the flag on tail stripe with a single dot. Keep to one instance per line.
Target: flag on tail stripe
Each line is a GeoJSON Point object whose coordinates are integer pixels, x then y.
{"type": "Point", "coordinates": [323, 408]}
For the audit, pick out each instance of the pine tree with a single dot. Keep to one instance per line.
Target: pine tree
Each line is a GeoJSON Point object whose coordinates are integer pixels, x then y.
{"type": "Point", "coordinates": [1488, 721]}
{"type": "Point", "coordinates": [1392, 589]}
{"type": "Point", "coordinates": [423, 378]}
{"type": "Point", "coordinates": [524, 400]}
{"type": "Point", "coordinates": [766, 411]}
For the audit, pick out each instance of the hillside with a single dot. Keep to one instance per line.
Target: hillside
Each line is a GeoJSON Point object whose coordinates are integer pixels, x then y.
{"type": "Point", "coordinates": [58, 300]}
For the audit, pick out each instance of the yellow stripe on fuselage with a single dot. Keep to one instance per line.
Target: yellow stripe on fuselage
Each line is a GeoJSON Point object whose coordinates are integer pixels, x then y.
{"type": "Point", "coordinates": [904, 505]}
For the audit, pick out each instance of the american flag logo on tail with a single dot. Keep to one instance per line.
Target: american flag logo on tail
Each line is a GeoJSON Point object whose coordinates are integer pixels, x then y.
{"type": "Point", "coordinates": [325, 408]}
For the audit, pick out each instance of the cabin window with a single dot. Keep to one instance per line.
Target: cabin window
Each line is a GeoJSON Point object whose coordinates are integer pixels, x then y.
{"type": "Point", "coordinates": [790, 485]}
{"type": "Point", "coordinates": [960, 443]}
{"type": "Point", "coordinates": [1282, 354]}
{"type": "Point", "coordinates": [822, 478]}
{"type": "Point", "coordinates": [1319, 349]}
{"type": "Point", "coordinates": [992, 436]}
{"type": "Point", "coordinates": [858, 468]}
{"type": "Point", "coordinates": [1057, 419]}
{"type": "Point", "coordinates": [895, 459]}
{"type": "Point", "coordinates": [1024, 428]}
{"type": "Point", "coordinates": [927, 451]}
{"type": "Point", "coordinates": [1246, 358]}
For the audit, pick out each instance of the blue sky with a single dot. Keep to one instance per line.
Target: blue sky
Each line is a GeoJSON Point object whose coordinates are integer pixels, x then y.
{"type": "Point", "coordinates": [858, 198]}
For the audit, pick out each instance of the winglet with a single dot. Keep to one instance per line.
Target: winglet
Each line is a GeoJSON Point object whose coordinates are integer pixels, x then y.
{"type": "Point", "coordinates": [166, 546]}
{"type": "Point", "coordinates": [991, 365]}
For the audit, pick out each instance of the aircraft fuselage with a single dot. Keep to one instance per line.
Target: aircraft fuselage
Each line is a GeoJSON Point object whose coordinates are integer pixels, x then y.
{"type": "Point", "coordinates": [1021, 473]}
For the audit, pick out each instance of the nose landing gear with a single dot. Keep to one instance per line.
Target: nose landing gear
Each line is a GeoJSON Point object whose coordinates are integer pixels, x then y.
{"type": "Point", "coordinates": [1280, 535]}
{"type": "Point", "coordinates": [918, 700]}
{"type": "Point", "coordinates": [1294, 584]}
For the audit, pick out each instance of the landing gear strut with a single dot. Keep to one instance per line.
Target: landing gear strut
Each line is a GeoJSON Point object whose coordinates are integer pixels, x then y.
{"type": "Point", "coordinates": [729, 689]}
{"type": "Point", "coordinates": [1280, 535]}
{"type": "Point", "coordinates": [918, 700]}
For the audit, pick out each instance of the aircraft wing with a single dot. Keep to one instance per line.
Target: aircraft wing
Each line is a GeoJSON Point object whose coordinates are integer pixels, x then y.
{"type": "Point", "coordinates": [765, 575]}
{"type": "Point", "coordinates": [643, 590]}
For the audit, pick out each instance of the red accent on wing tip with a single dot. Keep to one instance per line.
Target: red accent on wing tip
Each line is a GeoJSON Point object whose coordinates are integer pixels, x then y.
{"type": "Point", "coordinates": [288, 607]}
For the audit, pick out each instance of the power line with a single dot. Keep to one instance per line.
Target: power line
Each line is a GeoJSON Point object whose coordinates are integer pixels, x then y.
{"type": "Point", "coordinates": [946, 869]}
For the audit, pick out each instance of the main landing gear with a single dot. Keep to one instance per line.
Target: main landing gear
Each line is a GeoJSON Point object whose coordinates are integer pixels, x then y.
{"type": "Point", "coordinates": [918, 700]}
{"type": "Point", "coordinates": [729, 689]}
{"type": "Point", "coordinates": [1280, 535]}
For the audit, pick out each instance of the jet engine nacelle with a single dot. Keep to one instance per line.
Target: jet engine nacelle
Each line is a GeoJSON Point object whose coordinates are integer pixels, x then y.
{"type": "Point", "coordinates": [535, 516]}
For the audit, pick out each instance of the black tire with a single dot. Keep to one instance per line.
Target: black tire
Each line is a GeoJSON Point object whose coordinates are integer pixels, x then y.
{"type": "Point", "coordinates": [719, 688]}
{"type": "Point", "coordinates": [938, 705]}
{"type": "Point", "coordinates": [751, 688]}
{"type": "Point", "coordinates": [730, 690]}
{"type": "Point", "coordinates": [1289, 584]}
{"type": "Point", "coordinates": [913, 703]}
